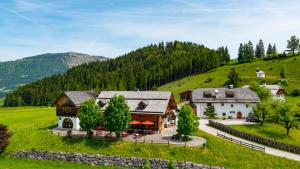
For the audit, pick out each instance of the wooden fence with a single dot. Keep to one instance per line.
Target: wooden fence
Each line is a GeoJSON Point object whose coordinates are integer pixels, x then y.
{"type": "Point", "coordinates": [255, 138]}
{"type": "Point", "coordinates": [252, 146]}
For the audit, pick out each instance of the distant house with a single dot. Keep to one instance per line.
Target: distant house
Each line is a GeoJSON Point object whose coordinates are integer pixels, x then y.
{"type": "Point", "coordinates": [68, 107]}
{"type": "Point", "coordinates": [234, 103]}
{"type": "Point", "coordinates": [186, 96]}
{"type": "Point", "coordinates": [277, 91]}
{"type": "Point", "coordinates": [260, 73]}
{"type": "Point", "coordinates": [158, 107]}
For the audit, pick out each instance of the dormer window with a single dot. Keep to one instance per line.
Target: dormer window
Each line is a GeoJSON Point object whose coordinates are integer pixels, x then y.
{"type": "Point", "coordinates": [102, 103]}
{"type": "Point", "coordinates": [229, 94]}
{"type": "Point", "coordinates": [142, 105]}
{"type": "Point", "coordinates": [209, 94]}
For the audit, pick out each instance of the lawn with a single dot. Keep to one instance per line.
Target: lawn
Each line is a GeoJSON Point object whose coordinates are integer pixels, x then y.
{"type": "Point", "coordinates": [246, 71]}
{"type": "Point", "coordinates": [14, 163]}
{"type": "Point", "coordinates": [271, 131]}
{"type": "Point", "coordinates": [31, 131]}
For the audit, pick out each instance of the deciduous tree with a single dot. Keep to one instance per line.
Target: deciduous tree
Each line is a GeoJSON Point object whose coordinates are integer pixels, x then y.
{"type": "Point", "coordinates": [117, 115]}
{"type": "Point", "coordinates": [187, 121]}
{"type": "Point", "coordinates": [89, 116]}
{"type": "Point", "coordinates": [293, 44]}
{"type": "Point", "coordinates": [286, 116]}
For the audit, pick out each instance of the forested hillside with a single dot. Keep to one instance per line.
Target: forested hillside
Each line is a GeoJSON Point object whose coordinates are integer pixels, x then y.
{"type": "Point", "coordinates": [26, 70]}
{"type": "Point", "coordinates": [142, 69]}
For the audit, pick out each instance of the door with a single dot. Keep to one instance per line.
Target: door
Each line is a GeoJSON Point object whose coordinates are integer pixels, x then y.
{"type": "Point", "coordinates": [67, 123]}
{"type": "Point", "coordinates": [239, 115]}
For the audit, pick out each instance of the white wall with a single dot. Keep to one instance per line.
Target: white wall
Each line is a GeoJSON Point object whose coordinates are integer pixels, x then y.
{"type": "Point", "coordinates": [237, 107]}
{"type": "Point", "coordinates": [75, 121]}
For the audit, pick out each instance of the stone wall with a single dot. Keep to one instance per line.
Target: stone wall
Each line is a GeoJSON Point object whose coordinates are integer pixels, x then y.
{"type": "Point", "coordinates": [97, 159]}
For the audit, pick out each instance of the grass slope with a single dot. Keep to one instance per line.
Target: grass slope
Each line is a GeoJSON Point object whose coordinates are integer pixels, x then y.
{"type": "Point", "coordinates": [271, 131]}
{"type": "Point", "coordinates": [30, 126]}
{"type": "Point", "coordinates": [246, 72]}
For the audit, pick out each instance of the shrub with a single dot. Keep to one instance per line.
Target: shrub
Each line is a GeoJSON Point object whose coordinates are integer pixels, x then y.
{"type": "Point", "coordinates": [147, 164]}
{"type": "Point", "coordinates": [295, 92]}
{"type": "Point", "coordinates": [4, 136]}
{"type": "Point", "coordinates": [171, 165]}
{"type": "Point", "coordinates": [90, 133]}
{"type": "Point", "coordinates": [284, 82]}
{"type": "Point", "coordinates": [208, 80]}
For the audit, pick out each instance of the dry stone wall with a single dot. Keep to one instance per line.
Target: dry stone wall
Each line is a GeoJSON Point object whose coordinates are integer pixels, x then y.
{"type": "Point", "coordinates": [98, 159]}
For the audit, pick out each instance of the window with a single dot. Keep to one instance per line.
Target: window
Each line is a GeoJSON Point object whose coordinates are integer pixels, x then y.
{"type": "Point", "coordinates": [232, 112]}
{"type": "Point", "coordinates": [222, 104]}
{"type": "Point", "coordinates": [224, 114]}
{"type": "Point", "coordinates": [208, 104]}
{"type": "Point", "coordinates": [247, 105]}
{"type": "Point", "coordinates": [231, 105]}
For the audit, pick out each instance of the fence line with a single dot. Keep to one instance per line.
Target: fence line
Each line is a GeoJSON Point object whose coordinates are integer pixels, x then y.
{"type": "Point", "coordinates": [252, 146]}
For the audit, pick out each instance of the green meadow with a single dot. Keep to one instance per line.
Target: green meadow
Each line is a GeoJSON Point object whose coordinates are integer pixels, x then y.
{"type": "Point", "coordinates": [31, 127]}
{"type": "Point", "coordinates": [247, 72]}
{"type": "Point", "coordinates": [271, 131]}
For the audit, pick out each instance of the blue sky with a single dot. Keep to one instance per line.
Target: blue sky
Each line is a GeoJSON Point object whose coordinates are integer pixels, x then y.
{"type": "Point", "coordinates": [113, 27]}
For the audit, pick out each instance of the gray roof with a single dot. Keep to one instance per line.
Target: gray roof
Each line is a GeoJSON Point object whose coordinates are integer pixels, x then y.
{"type": "Point", "coordinates": [156, 101]}
{"type": "Point", "coordinates": [241, 95]}
{"type": "Point", "coordinates": [77, 97]}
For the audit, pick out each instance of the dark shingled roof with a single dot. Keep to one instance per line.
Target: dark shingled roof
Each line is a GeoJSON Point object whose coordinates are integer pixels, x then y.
{"type": "Point", "coordinates": [238, 95]}
{"type": "Point", "coordinates": [77, 97]}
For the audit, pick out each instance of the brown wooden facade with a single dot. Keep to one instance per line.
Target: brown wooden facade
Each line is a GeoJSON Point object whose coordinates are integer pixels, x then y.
{"type": "Point", "coordinates": [186, 96]}
{"type": "Point", "coordinates": [65, 107]}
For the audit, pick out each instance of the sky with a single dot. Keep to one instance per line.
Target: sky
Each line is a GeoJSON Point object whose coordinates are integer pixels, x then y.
{"type": "Point", "coordinates": [111, 28]}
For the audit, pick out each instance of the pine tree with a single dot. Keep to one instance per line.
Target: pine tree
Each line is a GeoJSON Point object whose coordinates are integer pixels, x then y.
{"type": "Point", "coordinates": [260, 50]}
{"type": "Point", "coordinates": [270, 49]}
{"type": "Point", "coordinates": [241, 53]}
{"type": "Point", "coordinates": [227, 55]}
{"type": "Point", "coordinates": [274, 49]}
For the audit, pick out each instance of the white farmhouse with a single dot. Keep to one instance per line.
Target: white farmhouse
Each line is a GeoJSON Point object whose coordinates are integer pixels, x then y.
{"type": "Point", "coordinates": [68, 107]}
{"type": "Point", "coordinates": [234, 103]}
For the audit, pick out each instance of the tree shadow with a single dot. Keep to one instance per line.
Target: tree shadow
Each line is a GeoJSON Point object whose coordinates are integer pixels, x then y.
{"type": "Point", "coordinates": [49, 127]}
{"type": "Point", "coordinates": [94, 142]}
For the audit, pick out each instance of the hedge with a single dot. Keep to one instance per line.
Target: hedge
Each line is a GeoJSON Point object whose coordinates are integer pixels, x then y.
{"type": "Point", "coordinates": [254, 138]}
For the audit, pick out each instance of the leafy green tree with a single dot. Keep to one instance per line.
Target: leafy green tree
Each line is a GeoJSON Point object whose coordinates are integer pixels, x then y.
{"type": "Point", "coordinates": [187, 121]}
{"type": "Point", "coordinates": [286, 116]}
{"type": "Point", "coordinates": [210, 112]}
{"type": "Point", "coordinates": [262, 110]}
{"type": "Point", "coordinates": [283, 72]}
{"type": "Point", "coordinates": [117, 115]}
{"type": "Point", "coordinates": [293, 44]}
{"type": "Point", "coordinates": [233, 78]}
{"type": "Point", "coordinates": [262, 92]}
{"type": "Point", "coordinates": [89, 116]}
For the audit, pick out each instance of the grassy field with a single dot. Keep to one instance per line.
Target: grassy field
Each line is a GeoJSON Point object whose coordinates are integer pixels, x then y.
{"type": "Point", "coordinates": [14, 163]}
{"type": "Point", "coordinates": [31, 131]}
{"type": "Point", "coordinates": [272, 131]}
{"type": "Point", "coordinates": [246, 72]}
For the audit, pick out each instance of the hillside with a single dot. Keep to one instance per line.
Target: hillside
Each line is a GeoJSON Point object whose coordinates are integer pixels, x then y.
{"type": "Point", "coordinates": [142, 69]}
{"type": "Point", "coordinates": [26, 70]}
{"type": "Point", "coordinates": [247, 72]}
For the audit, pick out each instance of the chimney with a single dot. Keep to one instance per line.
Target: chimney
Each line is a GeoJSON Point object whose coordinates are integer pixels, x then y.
{"type": "Point", "coordinates": [231, 86]}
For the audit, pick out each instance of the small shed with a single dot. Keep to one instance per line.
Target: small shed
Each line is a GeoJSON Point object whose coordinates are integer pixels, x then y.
{"type": "Point", "coordinates": [260, 73]}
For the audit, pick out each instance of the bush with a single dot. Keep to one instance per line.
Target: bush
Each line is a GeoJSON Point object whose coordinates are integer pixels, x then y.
{"type": "Point", "coordinates": [90, 133]}
{"type": "Point", "coordinates": [230, 117]}
{"type": "Point", "coordinates": [171, 165]}
{"type": "Point", "coordinates": [284, 82]}
{"type": "Point", "coordinates": [208, 80]}
{"type": "Point", "coordinates": [4, 136]}
{"type": "Point", "coordinates": [147, 164]}
{"type": "Point", "coordinates": [295, 92]}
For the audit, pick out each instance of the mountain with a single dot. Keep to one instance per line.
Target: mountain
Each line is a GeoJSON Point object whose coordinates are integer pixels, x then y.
{"type": "Point", "coordinates": [143, 69]}
{"type": "Point", "coordinates": [26, 70]}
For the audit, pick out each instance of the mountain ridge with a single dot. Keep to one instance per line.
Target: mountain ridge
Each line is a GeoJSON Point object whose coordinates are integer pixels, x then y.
{"type": "Point", "coordinates": [32, 68]}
